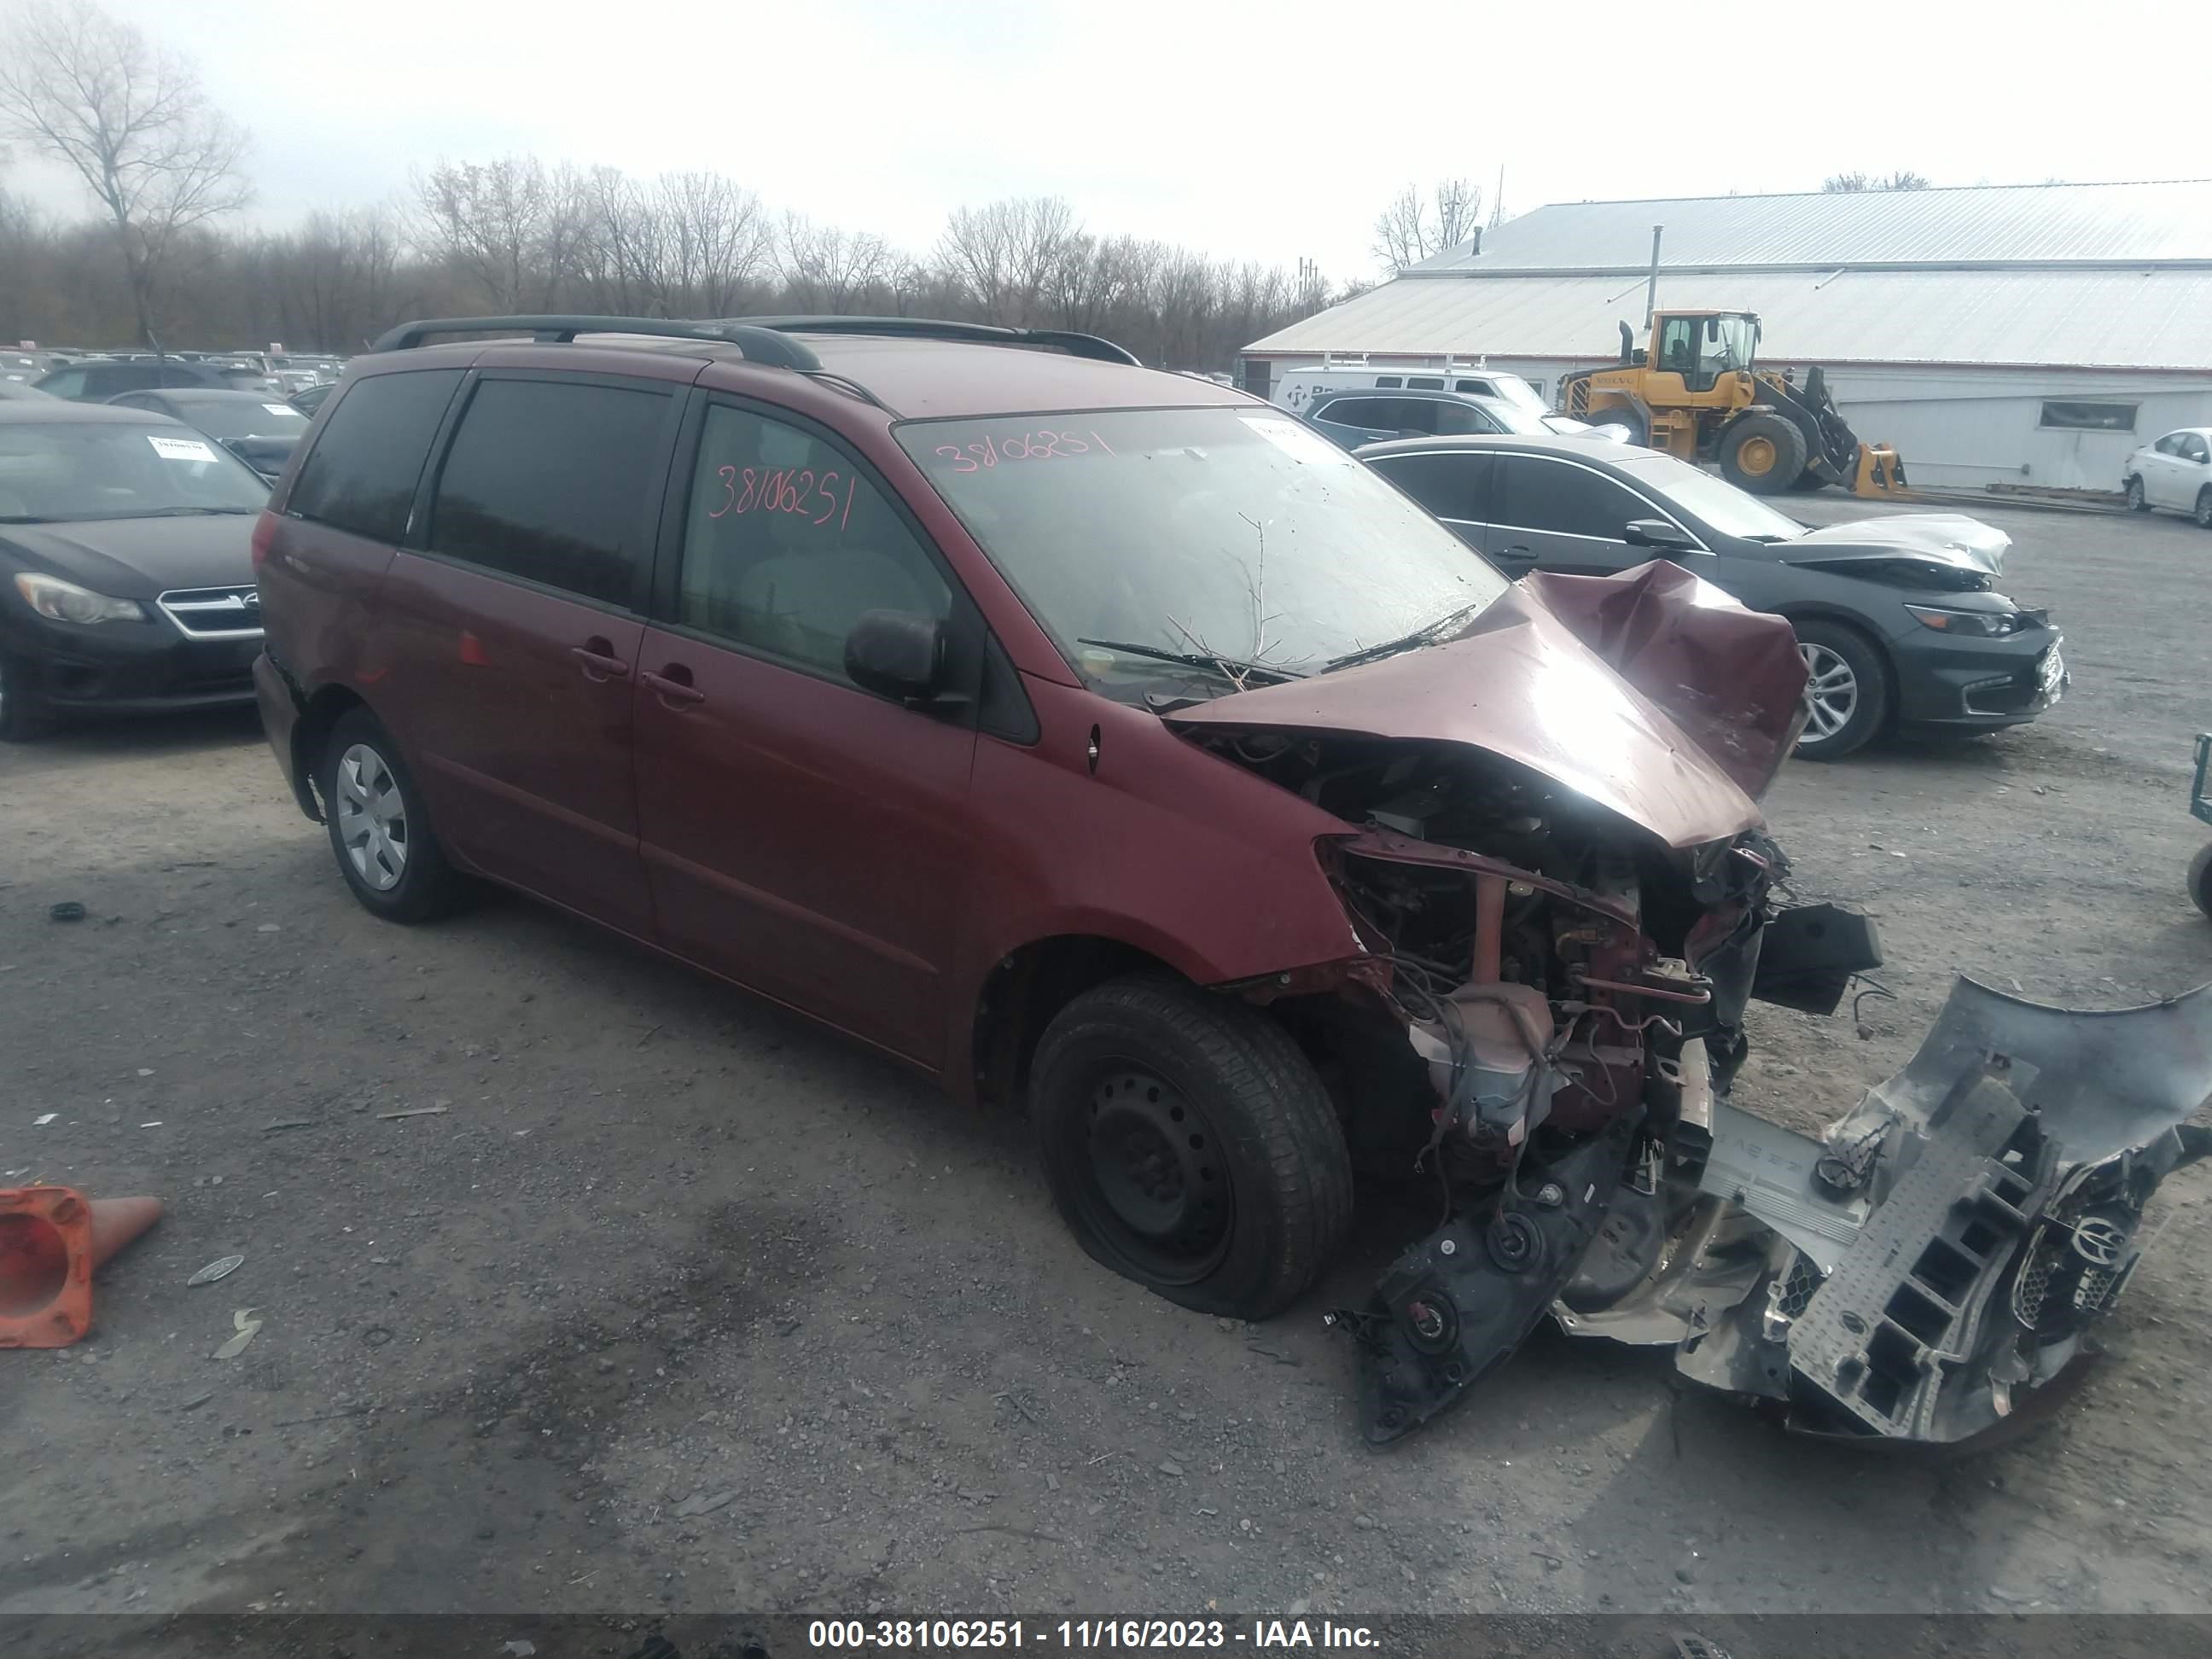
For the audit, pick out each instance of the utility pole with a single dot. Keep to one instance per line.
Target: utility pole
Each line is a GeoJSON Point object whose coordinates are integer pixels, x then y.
{"type": "Point", "coordinates": [1652, 288]}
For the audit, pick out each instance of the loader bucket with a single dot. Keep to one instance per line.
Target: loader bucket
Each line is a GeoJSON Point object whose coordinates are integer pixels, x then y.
{"type": "Point", "coordinates": [1880, 472]}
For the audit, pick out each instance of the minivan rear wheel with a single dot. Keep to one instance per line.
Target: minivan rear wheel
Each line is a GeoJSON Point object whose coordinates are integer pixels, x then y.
{"type": "Point", "coordinates": [1190, 1145]}
{"type": "Point", "coordinates": [380, 832]}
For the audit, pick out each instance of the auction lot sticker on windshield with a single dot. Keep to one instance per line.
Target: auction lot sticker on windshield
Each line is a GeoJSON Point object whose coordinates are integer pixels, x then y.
{"type": "Point", "coordinates": [179, 449]}
{"type": "Point", "coordinates": [1300, 443]}
{"type": "Point", "coordinates": [280, 409]}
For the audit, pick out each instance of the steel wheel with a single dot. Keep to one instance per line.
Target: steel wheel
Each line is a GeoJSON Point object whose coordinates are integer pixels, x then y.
{"type": "Point", "coordinates": [372, 817]}
{"type": "Point", "coordinates": [1156, 1177]}
{"type": "Point", "coordinates": [1832, 692]}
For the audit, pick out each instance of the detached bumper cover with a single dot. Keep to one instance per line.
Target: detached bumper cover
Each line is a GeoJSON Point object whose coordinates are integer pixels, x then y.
{"type": "Point", "coordinates": [1943, 1249]}
{"type": "Point", "coordinates": [1913, 1275]}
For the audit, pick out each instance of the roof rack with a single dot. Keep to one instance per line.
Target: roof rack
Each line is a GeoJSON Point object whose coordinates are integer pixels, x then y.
{"type": "Point", "coordinates": [760, 344]}
{"type": "Point", "coordinates": [924, 328]}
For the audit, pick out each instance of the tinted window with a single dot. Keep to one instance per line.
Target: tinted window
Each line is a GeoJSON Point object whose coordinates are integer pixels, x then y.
{"type": "Point", "coordinates": [1449, 486]}
{"type": "Point", "coordinates": [1356, 412]}
{"type": "Point", "coordinates": [1388, 381]}
{"type": "Point", "coordinates": [1426, 382]}
{"type": "Point", "coordinates": [2192, 448]}
{"type": "Point", "coordinates": [553, 481]}
{"type": "Point", "coordinates": [1481, 386]}
{"type": "Point", "coordinates": [1457, 420]}
{"type": "Point", "coordinates": [1569, 500]}
{"type": "Point", "coordinates": [786, 544]}
{"type": "Point", "coordinates": [68, 383]}
{"type": "Point", "coordinates": [361, 476]}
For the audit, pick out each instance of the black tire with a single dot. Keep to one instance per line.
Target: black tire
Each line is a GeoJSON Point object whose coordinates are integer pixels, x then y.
{"type": "Point", "coordinates": [1809, 483]}
{"type": "Point", "coordinates": [1190, 1145]}
{"type": "Point", "coordinates": [1633, 431]}
{"type": "Point", "coordinates": [2137, 502]}
{"type": "Point", "coordinates": [424, 886]}
{"type": "Point", "coordinates": [23, 713]}
{"type": "Point", "coordinates": [2203, 512]}
{"type": "Point", "coordinates": [1763, 454]}
{"type": "Point", "coordinates": [2200, 878]}
{"type": "Point", "coordinates": [1865, 710]}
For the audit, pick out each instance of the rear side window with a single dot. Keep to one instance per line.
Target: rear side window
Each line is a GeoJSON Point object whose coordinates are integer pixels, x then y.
{"type": "Point", "coordinates": [1388, 381]}
{"type": "Point", "coordinates": [555, 481]}
{"type": "Point", "coordinates": [1568, 501]}
{"type": "Point", "coordinates": [1426, 383]}
{"type": "Point", "coordinates": [361, 475]}
{"type": "Point", "coordinates": [1449, 486]}
{"type": "Point", "coordinates": [1457, 420]}
{"type": "Point", "coordinates": [69, 383]}
{"type": "Point", "coordinates": [787, 544]}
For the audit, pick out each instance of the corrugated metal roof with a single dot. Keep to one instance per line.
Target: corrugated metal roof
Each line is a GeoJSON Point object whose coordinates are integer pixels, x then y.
{"type": "Point", "coordinates": [2124, 224]}
{"type": "Point", "coordinates": [2149, 319]}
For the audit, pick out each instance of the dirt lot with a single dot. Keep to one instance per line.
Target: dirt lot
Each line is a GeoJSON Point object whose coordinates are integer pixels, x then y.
{"type": "Point", "coordinates": [680, 1303]}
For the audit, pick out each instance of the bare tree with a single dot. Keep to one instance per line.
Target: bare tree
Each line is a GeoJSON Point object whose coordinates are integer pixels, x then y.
{"type": "Point", "coordinates": [1414, 227]}
{"type": "Point", "coordinates": [1852, 183]}
{"type": "Point", "coordinates": [132, 120]}
{"type": "Point", "coordinates": [515, 227]}
{"type": "Point", "coordinates": [827, 269]}
{"type": "Point", "coordinates": [1002, 258]}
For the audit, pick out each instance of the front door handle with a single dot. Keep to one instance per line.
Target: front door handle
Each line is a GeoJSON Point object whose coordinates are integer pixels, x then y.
{"type": "Point", "coordinates": [675, 693]}
{"type": "Point", "coordinates": [1515, 553]}
{"type": "Point", "coordinates": [599, 662]}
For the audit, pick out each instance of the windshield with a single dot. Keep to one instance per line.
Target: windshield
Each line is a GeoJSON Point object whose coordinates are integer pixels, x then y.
{"type": "Point", "coordinates": [1236, 534]}
{"type": "Point", "coordinates": [1715, 501]}
{"type": "Point", "coordinates": [242, 419]}
{"type": "Point", "coordinates": [89, 470]}
{"type": "Point", "coordinates": [1513, 389]}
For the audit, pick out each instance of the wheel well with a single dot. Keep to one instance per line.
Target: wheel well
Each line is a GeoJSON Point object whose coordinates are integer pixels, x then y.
{"type": "Point", "coordinates": [323, 711]}
{"type": "Point", "coordinates": [1023, 992]}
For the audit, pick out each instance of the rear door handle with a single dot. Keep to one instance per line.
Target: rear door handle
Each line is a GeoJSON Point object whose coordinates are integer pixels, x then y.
{"type": "Point", "coordinates": [674, 693]}
{"type": "Point", "coordinates": [599, 666]}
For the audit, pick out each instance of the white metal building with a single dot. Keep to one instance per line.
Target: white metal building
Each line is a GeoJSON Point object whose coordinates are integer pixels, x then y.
{"type": "Point", "coordinates": [2022, 334]}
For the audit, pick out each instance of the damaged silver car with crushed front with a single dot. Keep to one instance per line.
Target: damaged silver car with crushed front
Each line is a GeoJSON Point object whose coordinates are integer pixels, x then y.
{"type": "Point", "coordinates": [1567, 939]}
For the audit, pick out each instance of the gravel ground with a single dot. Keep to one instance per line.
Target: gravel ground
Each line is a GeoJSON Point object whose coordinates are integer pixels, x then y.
{"type": "Point", "coordinates": [678, 1303]}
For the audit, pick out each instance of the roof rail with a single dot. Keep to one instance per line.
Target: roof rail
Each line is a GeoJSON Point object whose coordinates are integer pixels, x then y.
{"type": "Point", "coordinates": [924, 328]}
{"type": "Point", "coordinates": [760, 344]}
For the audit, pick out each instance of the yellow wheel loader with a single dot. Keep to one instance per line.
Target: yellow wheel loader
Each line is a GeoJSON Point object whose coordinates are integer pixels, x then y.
{"type": "Point", "coordinates": [1696, 393]}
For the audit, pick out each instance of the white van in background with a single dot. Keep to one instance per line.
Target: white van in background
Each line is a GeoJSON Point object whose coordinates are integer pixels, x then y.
{"type": "Point", "coordinates": [1299, 388]}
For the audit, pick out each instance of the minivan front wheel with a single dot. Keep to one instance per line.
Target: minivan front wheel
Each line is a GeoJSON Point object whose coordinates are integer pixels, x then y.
{"type": "Point", "coordinates": [378, 830]}
{"type": "Point", "coordinates": [1190, 1145]}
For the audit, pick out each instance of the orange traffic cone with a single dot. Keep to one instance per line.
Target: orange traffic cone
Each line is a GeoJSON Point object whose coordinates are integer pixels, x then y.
{"type": "Point", "coordinates": [51, 1239]}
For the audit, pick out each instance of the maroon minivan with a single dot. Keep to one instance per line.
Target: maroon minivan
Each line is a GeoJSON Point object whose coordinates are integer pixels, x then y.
{"type": "Point", "coordinates": [1095, 738]}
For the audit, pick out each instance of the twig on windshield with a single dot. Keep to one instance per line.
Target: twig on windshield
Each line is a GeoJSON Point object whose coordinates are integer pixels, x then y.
{"type": "Point", "coordinates": [1236, 676]}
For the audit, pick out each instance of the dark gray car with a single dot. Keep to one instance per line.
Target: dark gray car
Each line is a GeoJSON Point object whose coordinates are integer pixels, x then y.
{"type": "Point", "coordinates": [1900, 619]}
{"type": "Point", "coordinates": [260, 428]}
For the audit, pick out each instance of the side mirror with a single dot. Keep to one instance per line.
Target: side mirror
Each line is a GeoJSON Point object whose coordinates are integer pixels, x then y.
{"type": "Point", "coordinates": [897, 654]}
{"type": "Point", "coordinates": [1658, 533]}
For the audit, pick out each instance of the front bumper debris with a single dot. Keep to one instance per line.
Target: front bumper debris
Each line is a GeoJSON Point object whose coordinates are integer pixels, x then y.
{"type": "Point", "coordinates": [1912, 1275]}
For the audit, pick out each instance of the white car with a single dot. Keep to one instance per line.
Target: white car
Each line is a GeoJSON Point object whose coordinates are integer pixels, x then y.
{"type": "Point", "coordinates": [2176, 471]}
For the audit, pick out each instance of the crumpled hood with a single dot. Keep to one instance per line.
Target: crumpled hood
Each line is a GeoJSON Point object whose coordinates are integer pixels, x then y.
{"type": "Point", "coordinates": [1521, 684]}
{"type": "Point", "coordinates": [1951, 538]}
{"type": "Point", "coordinates": [138, 558]}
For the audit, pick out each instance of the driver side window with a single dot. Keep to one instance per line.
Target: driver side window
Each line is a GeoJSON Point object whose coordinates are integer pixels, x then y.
{"type": "Point", "coordinates": [786, 544]}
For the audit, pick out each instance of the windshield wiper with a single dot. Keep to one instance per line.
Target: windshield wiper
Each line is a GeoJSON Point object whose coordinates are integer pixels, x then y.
{"type": "Point", "coordinates": [1435, 631]}
{"type": "Point", "coordinates": [194, 512]}
{"type": "Point", "coordinates": [1228, 667]}
{"type": "Point", "coordinates": [24, 517]}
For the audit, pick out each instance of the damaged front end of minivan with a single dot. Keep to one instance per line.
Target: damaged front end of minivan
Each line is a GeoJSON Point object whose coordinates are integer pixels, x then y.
{"type": "Point", "coordinates": [1567, 899]}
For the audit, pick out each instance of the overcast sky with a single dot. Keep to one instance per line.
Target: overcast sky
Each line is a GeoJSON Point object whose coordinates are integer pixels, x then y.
{"type": "Point", "coordinates": [1272, 130]}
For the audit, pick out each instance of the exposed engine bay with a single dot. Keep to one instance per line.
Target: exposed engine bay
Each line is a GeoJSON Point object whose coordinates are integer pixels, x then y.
{"type": "Point", "coordinates": [1564, 995]}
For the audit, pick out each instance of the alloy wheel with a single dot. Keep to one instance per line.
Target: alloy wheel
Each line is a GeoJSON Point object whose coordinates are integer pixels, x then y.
{"type": "Point", "coordinates": [372, 817]}
{"type": "Point", "coordinates": [1832, 692]}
